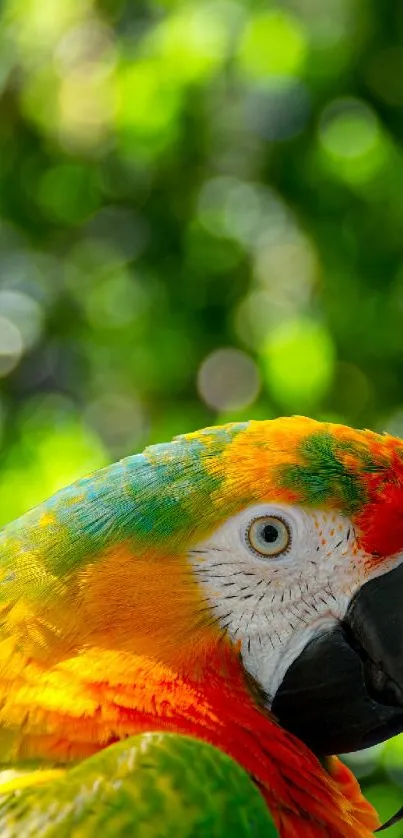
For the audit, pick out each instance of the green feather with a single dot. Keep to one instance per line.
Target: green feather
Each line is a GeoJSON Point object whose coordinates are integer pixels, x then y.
{"type": "Point", "coordinates": [150, 786]}
{"type": "Point", "coordinates": [322, 476]}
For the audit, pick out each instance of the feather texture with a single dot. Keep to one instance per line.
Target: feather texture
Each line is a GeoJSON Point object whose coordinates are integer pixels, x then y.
{"type": "Point", "coordinates": [104, 632]}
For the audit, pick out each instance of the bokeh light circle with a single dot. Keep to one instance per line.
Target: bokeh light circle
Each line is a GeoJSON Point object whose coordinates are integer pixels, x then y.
{"type": "Point", "coordinates": [349, 128]}
{"type": "Point", "coordinates": [228, 379]}
{"type": "Point", "coordinates": [11, 346]}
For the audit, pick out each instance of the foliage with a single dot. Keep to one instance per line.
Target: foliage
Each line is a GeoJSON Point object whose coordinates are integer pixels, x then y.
{"type": "Point", "coordinates": [200, 220]}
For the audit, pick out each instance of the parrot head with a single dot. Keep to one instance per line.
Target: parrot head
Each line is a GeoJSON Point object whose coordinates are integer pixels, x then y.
{"type": "Point", "coordinates": [308, 577]}
{"type": "Point", "coordinates": [284, 537]}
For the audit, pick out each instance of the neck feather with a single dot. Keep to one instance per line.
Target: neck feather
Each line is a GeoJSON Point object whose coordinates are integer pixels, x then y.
{"type": "Point", "coordinates": [75, 708]}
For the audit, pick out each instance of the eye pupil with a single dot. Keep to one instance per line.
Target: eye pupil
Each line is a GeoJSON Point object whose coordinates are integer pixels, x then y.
{"type": "Point", "coordinates": [269, 533]}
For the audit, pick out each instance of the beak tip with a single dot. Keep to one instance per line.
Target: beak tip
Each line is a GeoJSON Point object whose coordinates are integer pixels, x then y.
{"type": "Point", "coordinates": [392, 821]}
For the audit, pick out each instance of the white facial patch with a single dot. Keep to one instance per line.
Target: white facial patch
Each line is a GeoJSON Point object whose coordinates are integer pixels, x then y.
{"type": "Point", "coordinates": [274, 604]}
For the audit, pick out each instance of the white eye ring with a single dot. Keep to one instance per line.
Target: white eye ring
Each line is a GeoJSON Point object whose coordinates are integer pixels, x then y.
{"type": "Point", "coordinates": [268, 536]}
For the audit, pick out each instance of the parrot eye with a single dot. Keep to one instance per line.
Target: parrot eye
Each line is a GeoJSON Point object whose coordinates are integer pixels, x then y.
{"type": "Point", "coordinates": [268, 536]}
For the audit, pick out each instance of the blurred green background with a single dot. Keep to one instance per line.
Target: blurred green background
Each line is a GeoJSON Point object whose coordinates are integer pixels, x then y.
{"type": "Point", "coordinates": [201, 219]}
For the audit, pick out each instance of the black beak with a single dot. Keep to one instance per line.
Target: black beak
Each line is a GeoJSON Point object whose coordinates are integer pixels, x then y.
{"type": "Point", "coordinates": [345, 690]}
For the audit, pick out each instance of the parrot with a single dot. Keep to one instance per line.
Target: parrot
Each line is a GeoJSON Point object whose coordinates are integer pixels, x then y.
{"type": "Point", "coordinates": [189, 635]}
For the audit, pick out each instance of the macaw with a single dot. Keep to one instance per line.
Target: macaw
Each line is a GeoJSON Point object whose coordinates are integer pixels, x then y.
{"type": "Point", "coordinates": [188, 635]}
